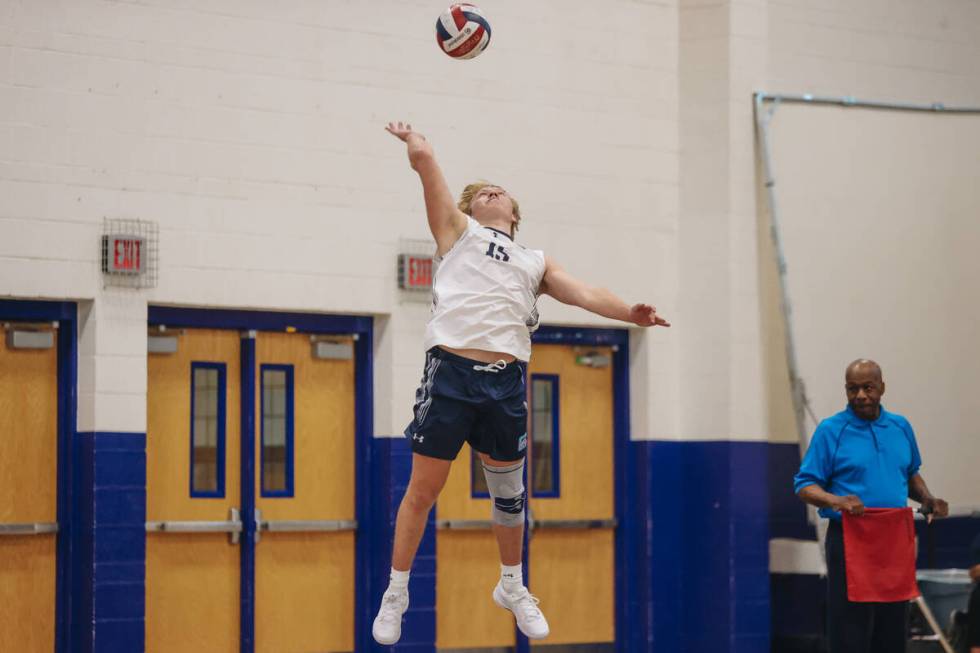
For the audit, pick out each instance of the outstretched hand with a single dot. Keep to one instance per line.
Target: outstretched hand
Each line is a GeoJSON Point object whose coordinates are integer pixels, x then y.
{"type": "Point", "coordinates": [401, 130]}
{"type": "Point", "coordinates": [646, 315]}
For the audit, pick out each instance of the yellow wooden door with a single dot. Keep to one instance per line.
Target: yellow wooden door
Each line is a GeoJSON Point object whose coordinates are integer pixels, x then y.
{"type": "Point", "coordinates": [572, 566]}
{"type": "Point", "coordinates": [304, 489]}
{"type": "Point", "coordinates": [28, 495]}
{"type": "Point", "coordinates": [192, 484]}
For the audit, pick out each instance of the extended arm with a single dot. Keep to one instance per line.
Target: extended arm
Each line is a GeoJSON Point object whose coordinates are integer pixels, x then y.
{"type": "Point", "coordinates": [446, 222]}
{"type": "Point", "coordinates": [569, 290]}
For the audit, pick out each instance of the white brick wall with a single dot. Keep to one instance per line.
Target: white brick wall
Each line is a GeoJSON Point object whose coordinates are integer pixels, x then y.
{"type": "Point", "coordinates": [731, 347]}
{"type": "Point", "coordinates": [252, 133]}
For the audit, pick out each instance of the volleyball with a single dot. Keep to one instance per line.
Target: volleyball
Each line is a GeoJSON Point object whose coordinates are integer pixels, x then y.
{"type": "Point", "coordinates": [462, 31]}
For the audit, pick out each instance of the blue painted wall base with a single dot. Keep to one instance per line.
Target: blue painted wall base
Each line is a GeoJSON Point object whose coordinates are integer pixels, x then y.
{"type": "Point", "coordinates": [709, 546]}
{"type": "Point", "coordinates": [109, 548]}
{"type": "Point", "coordinates": [392, 460]}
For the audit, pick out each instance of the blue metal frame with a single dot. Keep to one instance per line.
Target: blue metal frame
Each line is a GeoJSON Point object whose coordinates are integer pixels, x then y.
{"type": "Point", "coordinates": [369, 523]}
{"type": "Point", "coordinates": [289, 491]}
{"type": "Point", "coordinates": [219, 492]}
{"type": "Point", "coordinates": [248, 509]}
{"type": "Point", "coordinates": [66, 314]}
{"type": "Point", "coordinates": [630, 531]}
{"type": "Point", "coordinates": [555, 492]}
{"type": "Point", "coordinates": [209, 318]}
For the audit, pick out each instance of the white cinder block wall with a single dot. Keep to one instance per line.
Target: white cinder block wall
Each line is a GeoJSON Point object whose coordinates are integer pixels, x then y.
{"type": "Point", "coordinates": [252, 134]}
{"type": "Point", "coordinates": [904, 52]}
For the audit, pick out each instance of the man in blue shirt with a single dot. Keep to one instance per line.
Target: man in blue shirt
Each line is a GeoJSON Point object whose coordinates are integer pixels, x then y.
{"type": "Point", "coordinates": [862, 456]}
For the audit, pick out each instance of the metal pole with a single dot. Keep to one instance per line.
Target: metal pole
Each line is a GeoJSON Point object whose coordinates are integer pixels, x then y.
{"type": "Point", "coordinates": [927, 613]}
{"type": "Point", "coordinates": [762, 117]}
{"type": "Point", "coordinates": [848, 101]}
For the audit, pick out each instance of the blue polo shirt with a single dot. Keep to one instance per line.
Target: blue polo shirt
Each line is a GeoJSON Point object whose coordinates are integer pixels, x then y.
{"type": "Point", "coordinates": [872, 460]}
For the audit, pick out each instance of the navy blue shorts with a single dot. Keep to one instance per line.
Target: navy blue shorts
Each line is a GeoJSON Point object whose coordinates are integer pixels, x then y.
{"type": "Point", "coordinates": [456, 403]}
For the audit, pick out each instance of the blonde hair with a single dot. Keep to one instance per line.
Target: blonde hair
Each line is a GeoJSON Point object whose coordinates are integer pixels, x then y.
{"type": "Point", "coordinates": [466, 198]}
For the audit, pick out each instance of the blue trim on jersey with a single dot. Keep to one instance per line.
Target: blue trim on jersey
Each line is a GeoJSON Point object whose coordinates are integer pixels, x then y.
{"type": "Point", "coordinates": [502, 233]}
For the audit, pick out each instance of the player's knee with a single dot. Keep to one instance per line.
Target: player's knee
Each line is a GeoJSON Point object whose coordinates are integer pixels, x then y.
{"type": "Point", "coordinates": [506, 486]}
{"type": "Point", "coordinates": [420, 497]}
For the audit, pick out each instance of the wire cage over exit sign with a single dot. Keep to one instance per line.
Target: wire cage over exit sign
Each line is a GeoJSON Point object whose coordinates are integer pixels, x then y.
{"type": "Point", "coordinates": [130, 253]}
{"type": "Point", "coordinates": [416, 267]}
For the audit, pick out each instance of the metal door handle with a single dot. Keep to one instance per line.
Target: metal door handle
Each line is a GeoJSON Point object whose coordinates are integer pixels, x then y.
{"type": "Point", "coordinates": [35, 528]}
{"type": "Point", "coordinates": [308, 526]}
{"type": "Point", "coordinates": [233, 526]}
{"type": "Point", "coordinates": [463, 524]}
{"type": "Point", "coordinates": [572, 524]}
{"type": "Point", "coordinates": [533, 524]}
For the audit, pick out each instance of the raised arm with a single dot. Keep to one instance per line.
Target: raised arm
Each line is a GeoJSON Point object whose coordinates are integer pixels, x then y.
{"type": "Point", "coordinates": [568, 290]}
{"type": "Point", "coordinates": [446, 222]}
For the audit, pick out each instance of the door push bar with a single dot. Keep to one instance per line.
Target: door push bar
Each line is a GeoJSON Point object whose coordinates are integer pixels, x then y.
{"type": "Point", "coordinates": [532, 524]}
{"type": "Point", "coordinates": [233, 526]}
{"type": "Point", "coordinates": [35, 528]}
{"type": "Point", "coordinates": [302, 525]}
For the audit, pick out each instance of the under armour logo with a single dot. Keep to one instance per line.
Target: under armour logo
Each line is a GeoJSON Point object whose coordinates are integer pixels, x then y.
{"type": "Point", "coordinates": [418, 438]}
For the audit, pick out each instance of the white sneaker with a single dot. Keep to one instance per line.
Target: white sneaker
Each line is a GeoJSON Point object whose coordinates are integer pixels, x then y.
{"type": "Point", "coordinates": [529, 618]}
{"type": "Point", "coordinates": [387, 627]}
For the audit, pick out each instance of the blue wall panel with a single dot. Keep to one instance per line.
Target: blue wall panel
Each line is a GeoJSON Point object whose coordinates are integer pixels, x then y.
{"type": "Point", "coordinates": [709, 515]}
{"type": "Point", "coordinates": [109, 550]}
{"type": "Point", "coordinates": [787, 514]}
{"type": "Point", "coordinates": [945, 544]}
{"type": "Point", "coordinates": [391, 469]}
{"type": "Point", "coordinates": [419, 627]}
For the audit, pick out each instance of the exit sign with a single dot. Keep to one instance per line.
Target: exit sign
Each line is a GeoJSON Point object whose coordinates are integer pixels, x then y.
{"type": "Point", "coordinates": [414, 272]}
{"type": "Point", "coordinates": [123, 254]}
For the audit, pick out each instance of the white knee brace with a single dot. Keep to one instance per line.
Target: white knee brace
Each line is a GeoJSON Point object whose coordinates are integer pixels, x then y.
{"type": "Point", "coordinates": [506, 485]}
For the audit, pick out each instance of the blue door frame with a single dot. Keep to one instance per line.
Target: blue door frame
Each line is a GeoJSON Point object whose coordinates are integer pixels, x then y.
{"type": "Point", "coordinates": [66, 314]}
{"type": "Point", "coordinates": [362, 329]}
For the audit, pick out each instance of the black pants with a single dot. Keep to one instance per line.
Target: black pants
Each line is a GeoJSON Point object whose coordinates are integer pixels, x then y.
{"type": "Point", "coordinates": [858, 627]}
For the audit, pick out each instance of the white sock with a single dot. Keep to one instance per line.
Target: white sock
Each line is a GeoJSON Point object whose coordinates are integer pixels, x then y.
{"type": "Point", "coordinates": [512, 578]}
{"type": "Point", "coordinates": [398, 581]}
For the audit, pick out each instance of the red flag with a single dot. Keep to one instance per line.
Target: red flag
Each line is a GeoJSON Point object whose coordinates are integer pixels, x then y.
{"type": "Point", "coordinates": [879, 555]}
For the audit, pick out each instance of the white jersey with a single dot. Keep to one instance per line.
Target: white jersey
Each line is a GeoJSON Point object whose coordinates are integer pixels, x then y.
{"type": "Point", "coordinates": [484, 293]}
